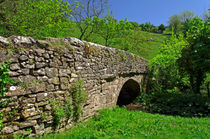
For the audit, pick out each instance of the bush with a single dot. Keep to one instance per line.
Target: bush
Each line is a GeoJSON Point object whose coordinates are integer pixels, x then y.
{"type": "Point", "coordinates": [164, 68]}
{"type": "Point", "coordinates": [79, 96]}
{"type": "Point", "coordinates": [186, 105]}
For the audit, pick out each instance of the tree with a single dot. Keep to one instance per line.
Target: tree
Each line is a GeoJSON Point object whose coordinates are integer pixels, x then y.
{"type": "Point", "coordinates": [6, 6]}
{"type": "Point", "coordinates": [40, 18]}
{"type": "Point", "coordinates": [164, 66]}
{"type": "Point", "coordinates": [149, 27]}
{"type": "Point", "coordinates": [206, 16]}
{"type": "Point", "coordinates": [161, 28]}
{"type": "Point", "coordinates": [106, 28]}
{"type": "Point", "coordinates": [186, 15]}
{"type": "Point", "coordinates": [195, 58]}
{"type": "Point", "coordinates": [175, 23]}
{"type": "Point", "coordinates": [83, 11]}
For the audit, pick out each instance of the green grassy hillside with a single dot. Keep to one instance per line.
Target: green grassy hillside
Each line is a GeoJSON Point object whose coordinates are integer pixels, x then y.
{"type": "Point", "coordinates": [142, 43]}
{"type": "Point", "coordinates": [123, 124]}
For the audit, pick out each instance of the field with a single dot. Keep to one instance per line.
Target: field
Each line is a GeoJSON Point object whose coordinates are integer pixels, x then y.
{"type": "Point", "coordinates": [120, 123]}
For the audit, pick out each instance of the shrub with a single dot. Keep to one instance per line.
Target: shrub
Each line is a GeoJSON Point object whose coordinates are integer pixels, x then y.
{"type": "Point", "coordinates": [4, 81]}
{"type": "Point", "coordinates": [4, 78]}
{"type": "Point", "coordinates": [164, 68]}
{"type": "Point", "coordinates": [78, 97]}
{"type": "Point", "coordinates": [187, 105]}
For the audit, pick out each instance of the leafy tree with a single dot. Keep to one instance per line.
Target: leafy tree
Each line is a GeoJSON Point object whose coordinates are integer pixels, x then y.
{"type": "Point", "coordinates": [40, 18]}
{"type": "Point", "coordinates": [186, 15]}
{"type": "Point", "coordinates": [147, 27]}
{"type": "Point", "coordinates": [195, 58]}
{"type": "Point", "coordinates": [161, 28]}
{"type": "Point", "coordinates": [175, 23]}
{"type": "Point", "coordinates": [106, 28]}
{"type": "Point", "coordinates": [165, 68]}
{"type": "Point", "coordinates": [83, 11]}
{"type": "Point", "coordinates": [6, 6]}
{"type": "Point", "coordinates": [206, 16]}
{"type": "Point", "coordinates": [135, 26]}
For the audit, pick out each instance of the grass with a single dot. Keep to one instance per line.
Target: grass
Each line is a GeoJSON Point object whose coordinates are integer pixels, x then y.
{"type": "Point", "coordinates": [147, 49]}
{"type": "Point", "coordinates": [120, 123]}
{"type": "Point", "coordinates": [153, 45]}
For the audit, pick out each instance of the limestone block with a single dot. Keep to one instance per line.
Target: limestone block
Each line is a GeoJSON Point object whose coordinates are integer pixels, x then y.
{"type": "Point", "coordinates": [51, 72]}
{"type": "Point", "coordinates": [7, 130]}
{"type": "Point", "coordinates": [42, 96]}
{"type": "Point", "coordinates": [64, 72]}
{"type": "Point", "coordinates": [38, 87]}
{"type": "Point", "coordinates": [29, 112]}
{"type": "Point", "coordinates": [4, 41]}
{"type": "Point", "coordinates": [14, 67]}
{"type": "Point", "coordinates": [40, 65]}
{"type": "Point", "coordinates": [20, 40]}
{"type": "Point", "coordinates": [16, 91]}
{"type": "Point", "coordinates": [27, 124]}
{"type": "Point", "coordinates": [23, 58]}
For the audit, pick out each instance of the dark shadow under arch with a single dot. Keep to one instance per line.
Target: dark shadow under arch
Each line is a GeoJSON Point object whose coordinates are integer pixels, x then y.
{"type": "Point", "coordinates": [128, 93]}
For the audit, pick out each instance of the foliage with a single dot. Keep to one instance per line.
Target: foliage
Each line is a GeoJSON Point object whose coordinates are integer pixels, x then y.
{"type": "Point", "coordinates": [161, 28]}
{"type": "Point", "coordinates": [149, 27]}
{"type": "Point", "coordinates": [58, 112]}
{"type": "Point", "coordinates": [164, 67]}
{"type": "Point", "coordinates": [178, 23]}
{"type": "Point", "coordinates": [106, 28]}
{"type": "Point", "coordinates": [175, 23]}
{"type": "Point", "coordinates": [121, 123]}
{"type": "Point", "coordinates": [186, 15]}
{"type": "Point", "coordinates": [40, 18]}
{"type": "Point", "coordinates": [122, 56]}
{"type": "Point", "coordinates": [4, 78]}
{"type": "Point", "coordinates": [4, 81]}
{"type": "Point", "coordinates": [61, 111]}
{"type": "Point", "coordinates": [1, 123]}
{"type": "Point", "coordinates": [195, 58]}
{"type": "Point", "coordinates": [83, 11]}
{"type": "Point", "coordinates": [19, 136]}
{"type": "Point", "coordinates": [188, 105]}
{"type": "Point", "coordinates": [78, 97]}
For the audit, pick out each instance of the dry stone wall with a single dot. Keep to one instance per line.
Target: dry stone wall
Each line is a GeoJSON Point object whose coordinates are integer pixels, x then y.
{"type": "Point", "coordinates": [44, 71]}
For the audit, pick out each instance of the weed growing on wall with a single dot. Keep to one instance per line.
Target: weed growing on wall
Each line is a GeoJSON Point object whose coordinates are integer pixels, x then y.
{"type": "Point", "coordinates": [78, 97]}
{"type": "Point", "coordinates": [58, 112]}
{"type": "Point", "coordinates": [71, 106]}
{"type": "Point", "coordinates": [1, 123]}
{"type": "Point", "coordinates": [122, 55]}
{"type": "Point", "coordinates": [61, 111]}
{"type": "Point", "coordinates": [4, 80]}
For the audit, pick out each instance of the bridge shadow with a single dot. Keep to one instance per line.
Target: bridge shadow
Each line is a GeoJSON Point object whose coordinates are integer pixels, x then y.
{"type": "Point", "coordinates": [128, 93]}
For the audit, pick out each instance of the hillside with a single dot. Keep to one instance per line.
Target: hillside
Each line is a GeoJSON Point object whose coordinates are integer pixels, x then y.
{"type": "Point", "coordinates": [144, 44]}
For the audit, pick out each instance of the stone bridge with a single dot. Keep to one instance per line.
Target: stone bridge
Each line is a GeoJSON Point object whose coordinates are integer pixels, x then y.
{"type": "Point", "coordinates": [44, 71]}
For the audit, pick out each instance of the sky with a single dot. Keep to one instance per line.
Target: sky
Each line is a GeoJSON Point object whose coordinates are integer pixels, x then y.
{"type": "Point", "coordinates": [155, 11]}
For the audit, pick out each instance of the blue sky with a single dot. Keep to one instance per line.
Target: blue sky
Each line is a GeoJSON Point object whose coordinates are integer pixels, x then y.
{"type": "Point", "coordinates": [155, 11]}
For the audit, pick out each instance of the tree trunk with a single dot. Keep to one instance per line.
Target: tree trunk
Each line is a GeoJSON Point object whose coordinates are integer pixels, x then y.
{"type": "Point", "coordinates": [199, 79]}
{"type": "Point", "coordinates": [207, 87]}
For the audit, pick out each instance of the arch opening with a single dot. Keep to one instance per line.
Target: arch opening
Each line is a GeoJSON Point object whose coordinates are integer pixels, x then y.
{"type": "Point", "coordinates": [128, 93]}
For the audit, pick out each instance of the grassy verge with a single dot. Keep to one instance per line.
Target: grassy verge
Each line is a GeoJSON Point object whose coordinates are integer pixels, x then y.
{"type": "Point", "coordinates": [122, 124]}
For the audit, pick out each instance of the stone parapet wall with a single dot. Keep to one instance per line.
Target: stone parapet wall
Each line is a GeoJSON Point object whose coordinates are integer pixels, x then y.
{"type": "Point", "coordinates": [44, 71]}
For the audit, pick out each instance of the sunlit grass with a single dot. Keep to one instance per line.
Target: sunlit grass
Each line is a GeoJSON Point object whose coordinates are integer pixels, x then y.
{"type": "Point", "coordinates": [123, 124]}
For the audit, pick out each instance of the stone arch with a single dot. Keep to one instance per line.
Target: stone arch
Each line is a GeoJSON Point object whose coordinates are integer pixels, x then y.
{"type": "Point", "coordinates": [129, 91]}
